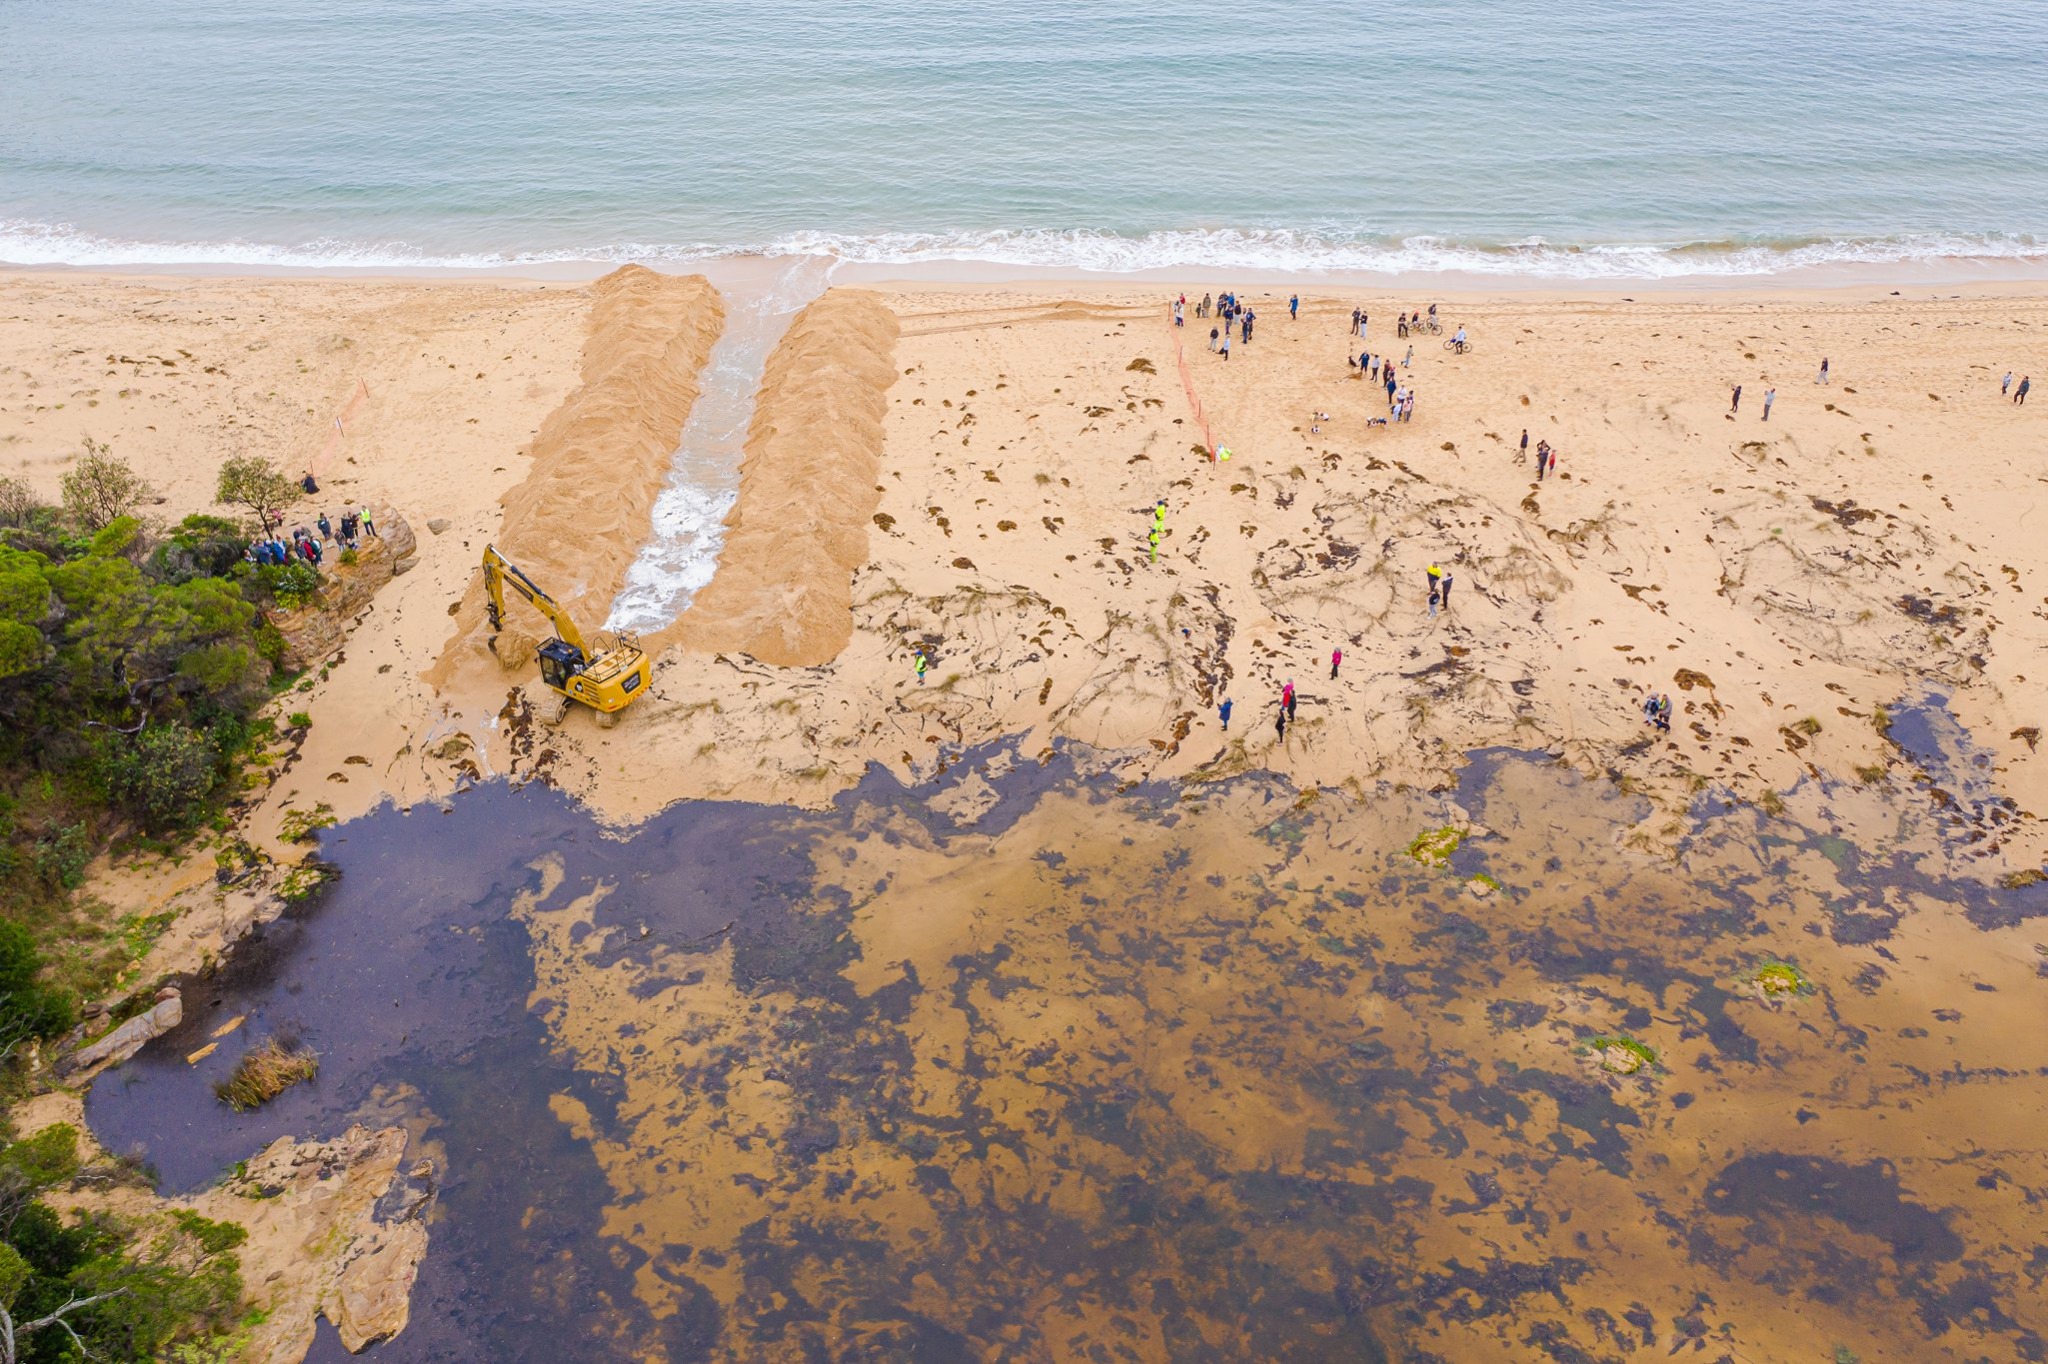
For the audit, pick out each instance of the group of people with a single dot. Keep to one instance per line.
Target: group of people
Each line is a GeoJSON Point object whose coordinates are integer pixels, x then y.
{"type": "Point", "coordinates": [1229, 313]}
{"type": "Point", "coordinates": [1657, 711]}
{"type": "Point", "coordinates": [1546, 458]}
{"type": "Point", "coordinates": [304, 547]}
{"type": "Point", "coordinates": [1412, 321]}
{"type": "Point", "coordinates": [2019, 395]}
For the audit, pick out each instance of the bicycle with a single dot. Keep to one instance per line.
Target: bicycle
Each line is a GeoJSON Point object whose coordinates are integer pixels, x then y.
{"type": "Point", "coordinates": [1460, 347]}
{"type": "Point", "coordinates": [1427, 324]}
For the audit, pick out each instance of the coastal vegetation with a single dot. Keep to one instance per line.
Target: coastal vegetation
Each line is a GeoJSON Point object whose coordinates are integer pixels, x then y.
{"type": "Point", "coordinates": [104, 1287]}
{"type": "Point", "coordinates": [134, 664]}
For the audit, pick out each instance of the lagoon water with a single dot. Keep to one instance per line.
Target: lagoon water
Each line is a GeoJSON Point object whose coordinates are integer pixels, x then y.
{"type": "Point", "coordinates": [1610, 138]}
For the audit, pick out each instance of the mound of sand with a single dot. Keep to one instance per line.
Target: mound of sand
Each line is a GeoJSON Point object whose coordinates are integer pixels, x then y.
{"type": "Point", "coordinates": [601, 458]}
{"type": "Point", "coordinates": [783, 591]}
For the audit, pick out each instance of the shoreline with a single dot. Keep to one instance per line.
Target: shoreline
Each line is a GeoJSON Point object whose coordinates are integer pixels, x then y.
{"type": "Point", "coordinates": [1972, 276]}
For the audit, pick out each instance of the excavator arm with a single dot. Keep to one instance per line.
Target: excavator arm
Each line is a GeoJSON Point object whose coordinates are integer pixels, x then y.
{"type": "Point", "coordinates": [500, 573]}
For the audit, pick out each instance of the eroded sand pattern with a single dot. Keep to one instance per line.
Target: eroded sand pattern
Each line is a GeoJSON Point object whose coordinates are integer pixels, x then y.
{"type": "Point", "coordinates": [1075, 1070]}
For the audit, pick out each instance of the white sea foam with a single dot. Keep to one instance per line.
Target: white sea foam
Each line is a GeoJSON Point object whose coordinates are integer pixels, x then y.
{"type": "Point", "coordinates": [25, 243]}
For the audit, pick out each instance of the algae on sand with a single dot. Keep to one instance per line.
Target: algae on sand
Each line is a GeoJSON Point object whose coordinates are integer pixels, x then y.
{"type": "Point", "coordinates": [1434, 847]}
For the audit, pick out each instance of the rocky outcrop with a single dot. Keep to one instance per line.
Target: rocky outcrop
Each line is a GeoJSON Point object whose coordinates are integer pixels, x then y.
{"type": "Point", "coordinates": [313, 634]}
{"type": "Point", "coordinates": [124, 1041]}
{"type": "Point", "coordinates": [316, 1247]}
{"type": "Point", "coordinates": [337, 1228]}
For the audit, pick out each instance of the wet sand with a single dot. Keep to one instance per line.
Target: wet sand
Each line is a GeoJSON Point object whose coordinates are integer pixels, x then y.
{"type": "Point", "coordinates": [1029, 1063]}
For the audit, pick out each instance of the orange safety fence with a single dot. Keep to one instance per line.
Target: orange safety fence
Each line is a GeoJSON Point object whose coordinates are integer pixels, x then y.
{"type": "Point", "coordinates": [1187, 383]}
{"type": "Point", "coordinates": [339, 429]}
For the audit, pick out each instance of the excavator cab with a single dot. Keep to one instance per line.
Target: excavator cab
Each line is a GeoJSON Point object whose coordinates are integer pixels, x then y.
{"type": "Point", "coordinates": [558, 663]}
{"type": "Point", "coordinates": [607, 679]}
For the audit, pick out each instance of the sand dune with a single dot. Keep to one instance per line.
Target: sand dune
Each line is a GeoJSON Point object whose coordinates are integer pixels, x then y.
{"type": "Point", "coordinates": [577, 520]}
{"type": "Point", "coordinates": [782, 592]}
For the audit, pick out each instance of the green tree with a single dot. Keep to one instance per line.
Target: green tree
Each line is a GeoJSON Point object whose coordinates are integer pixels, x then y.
{"type": "Point", "coordinates": [28, 1008]}
{"type": "Point", "coordinates": [95, 1288]}
{"type": "Point", "coordinates": [101, 488]}
{"type": "Point", "coordinates": [252, 481]}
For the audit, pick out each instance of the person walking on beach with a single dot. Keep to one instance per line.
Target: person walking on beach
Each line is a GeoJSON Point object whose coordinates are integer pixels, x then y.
{"type": "Point", "coordinates": [1280, 723]}
{"type": "Point", "coordinates": [1770, 396]}
{"type": "Point", "coordinates": [1336, 662]}
{"type": "Point", "coordinates": [1179, 320]}
{"type": "Point", "coordinates": [2005, 384]}
{"type": "Point", "coordinates": [1823, 371]}
{"type": "Point", "coordinates": [1445, 589]}
{"type": "Point", "coordinates": [1212, 338]}
{"type": "Point", "coordinates": [1525, 442]}
{"type": "Point", "coordinates": [1288, 699]}
{"type": "Point", "coordinates": [1293, 307]}
{"type": "Point", "coordinates": [1364, 325]}
{"type": "Point", "coordinates": [1223, 713]}
{"type": "Point", "coordinates": [2019, 395]}
{"type": "Point", "coordinates": [1354, 321]}
{"type": "Point", "coordinates": [1226, 345]}
{"type": "Point", "coordinates": [1735, 403]}
{"type": "Point", "coordinates": [1409, 358]}
{"type": "Point", "coordinates": [1435, 576]}
{"type": "Point", "coordinates": [917, 661]}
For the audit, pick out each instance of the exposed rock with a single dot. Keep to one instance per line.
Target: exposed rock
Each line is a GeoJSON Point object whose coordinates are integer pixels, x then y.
{"type": "Point", "coordinates": [437, 524]}
{"type": "Point", "coordinates": [314, 633]}
{"type": "Point", "coordinates": [316, 1246]}
{"type": "Point", "coordinates": [124, 1041]}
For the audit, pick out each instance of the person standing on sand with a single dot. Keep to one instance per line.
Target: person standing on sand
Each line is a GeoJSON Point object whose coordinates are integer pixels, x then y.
{"type": "Point", "coordinates": [1226, 345]}
{"type": "Point", "coordinates": [1445, 589]}
{"type": "Point", "coordinates": [1336, 662]}
{"type": "Point", "coordinates": [1212, 338]}
{"type": "Point", "coordinates": [1434, 575]}
{"type": "Point", "coordinates": [1207, 304]}
{"type": "Point", "coordinates": [1735, 403]}
{"type": "Point", "coordinates": [1179, 319]}
{"type": "Point", "coordinates": [1354, 321]}
{"type": "Point", "coordinates": [1293, 307]}
{"type": "Point", "coordinates": [2005, 384]}
{"type": "Point", "coordinates": [1823, 371]}
{"type": "Point", "coordinates": [1525, 442]}
{"type": "Point", "coordinates": [1770, 396]}
{"type": "Point", "coordinates": [1364, 325]}
{"type": "Point", "coordinates": [1288, 699]}
{"type": "Point", "coordinates": [1409, 358]}
{"type": "Point", "coordinates": [1280, 723]}
{"type": "Point", "coordinates": [917, 661]}
{"type": "Point", "coordinates": [2019, 395]}
{"type": "Point", "coordinates": [1223, 713]}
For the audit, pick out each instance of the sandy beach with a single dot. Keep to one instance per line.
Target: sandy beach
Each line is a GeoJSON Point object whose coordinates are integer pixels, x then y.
{"type": "Point", "coordinates": [970, 471]}
{"type": "Point", "coordinates": [1864, 541]}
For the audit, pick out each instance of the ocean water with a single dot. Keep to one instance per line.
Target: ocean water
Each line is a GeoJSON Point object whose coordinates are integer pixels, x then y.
{"type": "Point", "coordinates": [1608, 138]}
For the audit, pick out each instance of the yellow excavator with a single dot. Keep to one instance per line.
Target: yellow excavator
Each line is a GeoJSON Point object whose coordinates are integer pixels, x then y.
{"type": "Point", "coordinates": [607, 680]}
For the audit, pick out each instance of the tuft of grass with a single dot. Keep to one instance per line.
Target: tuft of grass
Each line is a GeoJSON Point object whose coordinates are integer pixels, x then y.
{"type": "Point", "coordinates": [304, 881]}
{"type": "Point", "coordinates": [1780, 979]}
{"type": "Point", "coordinates": [1809, 726]}
{"type": "Point", "coordinates": [2020, 880]}
{"type": "Point", "coordinates": [298, 718]}
{"type": "Point", "coordinates": [1871, 775]}
{"type": "Point", "coordinates": [299, 826]}
{"type": "Point", "coordinates": [1881, 721]}
{"type": "Point", "coordinates": [1620, 1054]}
{"type": "Point", "coordinates": [1771, 803]}
{"type": "Point", "coordinates": [1433, 847]}
{"type": "Point", "coordinates": [265, 1071]}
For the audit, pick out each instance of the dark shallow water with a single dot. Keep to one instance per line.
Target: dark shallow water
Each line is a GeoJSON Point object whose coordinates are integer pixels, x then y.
{"type": "Point", "coordinates": [1137, 1073]}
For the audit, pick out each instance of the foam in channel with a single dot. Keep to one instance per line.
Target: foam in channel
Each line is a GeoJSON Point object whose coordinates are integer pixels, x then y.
{"type": "Point", "coordinates": [688, 523]}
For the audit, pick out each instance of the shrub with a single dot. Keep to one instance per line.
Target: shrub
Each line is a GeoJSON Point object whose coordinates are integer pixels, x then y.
{"type": "Point", "coordinates": [349, 558]}
{"type": "Point", "coordinates": [28, 1008]}
{"type": "Point", "coordinates": [163, 775]}
{"type": "Point", "coordinates": [265, 1071]}
{"type": "Point", "coordinates": [298, 719]}
{"type": "Point", "coordinates": [291, 586]}
{"type": "Point", "coordinates": [100, 489]}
